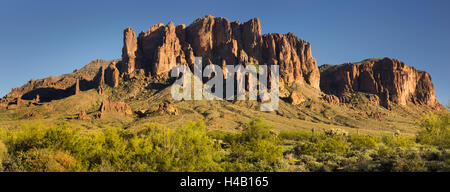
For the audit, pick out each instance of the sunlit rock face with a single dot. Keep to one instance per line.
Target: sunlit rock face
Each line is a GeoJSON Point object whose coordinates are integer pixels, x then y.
{"type": "Point", "coordinates": [391, 79]}
{"type": "Point", "coordinates": [220, 42]}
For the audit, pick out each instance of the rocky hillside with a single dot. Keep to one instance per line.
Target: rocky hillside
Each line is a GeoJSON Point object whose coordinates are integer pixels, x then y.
{"type": "Point", "coordinates": [135, 88]}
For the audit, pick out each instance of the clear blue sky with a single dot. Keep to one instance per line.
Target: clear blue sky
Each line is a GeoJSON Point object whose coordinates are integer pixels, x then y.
{"type": "Point", "coordinates": [43, 38]}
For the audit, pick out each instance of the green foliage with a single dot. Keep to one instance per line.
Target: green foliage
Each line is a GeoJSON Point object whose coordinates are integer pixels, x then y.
{"type": "Point", "coordinates": [42, 160]}
{"type": "Point", "coordinates": [37, 135]}
{"type": "Point", "coordinates": [295, 135]}
{"type": "Point", "coordinates": [357, 152]}
{"type": "Point", "coordinates": [36, 147]}
{"type": "Point", "coordinates": [257, 129]}
{"type": "Point", "coordinates": [360, 142]}
{"type": "Point", "coordinates": [435, 130]}
{"type": "Point", "coordinates": [3, 153]}
{"type": "Point", "coordinates": [190, 150]}
{"type": "Point", "coordinates": [323, 145]}
{"type": "Point", "coordinates": [398, 141]}
{"type": "Point", "coordinates": [256, 148]}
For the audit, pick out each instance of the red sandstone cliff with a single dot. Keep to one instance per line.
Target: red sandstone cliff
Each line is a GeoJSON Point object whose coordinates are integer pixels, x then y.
{"type": "Point", "coordinates": [392, 80]}
{"type": "Point", "coordinates": [220, 42]}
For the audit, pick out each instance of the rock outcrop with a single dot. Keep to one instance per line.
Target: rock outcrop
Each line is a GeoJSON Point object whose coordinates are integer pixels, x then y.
{"type": "Point", "coordinates": [296, 98]}
{"type": "Point", "coordinates": [129, 50]}
{"type": "Point", "coordinates": [100, 78]}
{"type": "Point", "coordinates": [221, 42]}
{"type": "Point", "coordinates": [331, 99]}
{"type": "Point", "coordinates": [107, 75]}
{"type": "Point", "coordinates": [19, 101]}
{"type": "Point", "coordinates": [167, 107]}
{"type": "Point", "coordinates": [112, 75]}
{"type": "Point", "coordinates": [118, 106]}
{"type": "Point", "coordinates": [37, 99]}
{"type": "Point", "coordinates": [159, 49]}
{"type": "Point", "coordinates": [392, 80]}
{"type": "Point", "coordinates": [82, 115]}
{"type": "Point", "coordinates": [77, 87]}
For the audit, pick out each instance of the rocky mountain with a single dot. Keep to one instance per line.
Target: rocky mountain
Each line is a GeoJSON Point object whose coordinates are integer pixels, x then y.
{"type": "Point", "coordinates": [389, 79]}
{"type": "Point", "coordinates": [220, 42]}
{"type": "Point", "coordinates": [136, 86]}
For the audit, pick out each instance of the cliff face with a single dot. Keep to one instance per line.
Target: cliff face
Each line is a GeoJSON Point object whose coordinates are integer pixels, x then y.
{"type": "Point", "coordinates": [129, 50]}
{"type": "Point", "coordinates": [392, 80]}
{"type": "Point", "coordinates": [220, 42]}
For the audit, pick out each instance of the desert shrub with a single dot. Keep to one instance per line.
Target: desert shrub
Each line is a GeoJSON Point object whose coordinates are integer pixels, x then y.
{"type": "Point", "coordinates": [39, 147]}
{"type": "Point", "coordinates": [398, 141]}
{"type": "Point", "coordinates": [195, 151]}
{"type": "Point", "coordinates": [61, 148]}
{"type": "Point", "coordinates": [41, 160]}
{"type": "Point", "coordinates": [295, 135]}
{"type": "Point", "coordinates": [160, 149]}
{"type": "Point", "coordinates": [223, 138]}
{"type": "Point", "coordinates": [408, 161]}
{"type": "Point", "coordinates": [257, 129]}
{"type": "Point", "coordinates": [102, 149]}
{"type": "Point", "coordinates": [360, 142]}
{"type": "Point", "coordinates": [218, 134]}
{"type": "Point", "coordinates": [310, 163]}
{"type": "Point", "coordinates": [335, 132]}
{"type": "Point", "coordinates": [400, 160]}
{"type": "Point", "coordinates": [323, 145]}
{"type": "Point", "coordinates": [3, 153]}
{"type": "Point", "coordinates": [435, 130]}
{"type": "Point", "coordinates": [37, 135]}
{"type": "Point", "coordinates": [256, 148]}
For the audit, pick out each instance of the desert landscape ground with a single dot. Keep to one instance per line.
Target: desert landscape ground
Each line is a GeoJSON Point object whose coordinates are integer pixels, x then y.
{"type": "Point", "coordinates": [375, 115]}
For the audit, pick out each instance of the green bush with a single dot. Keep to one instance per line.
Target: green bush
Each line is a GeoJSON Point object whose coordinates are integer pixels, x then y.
{"type": "Point", "coordinates": [193, 149]}
{"type": "Point", "coordinates": [323, 145]}
{"type": "Point", "coordinates": [435, 130]}
{"type": "Point", "coordinates": [42, 160]}
{"type": "Point", "coordinates": [36, 147]}
{"type": "Point", "coordinates": [257, 129]}
{"type": "Point", "coordinates": [295, 135]}
{"type": "Point", "coordinates": [3, 153]}
{"type": "Point", "coordinates": [398, 141]}
{"type": "Point", "coordinates": [360, 142]}
{"type": "Point", "coordinates": [256, 149]}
